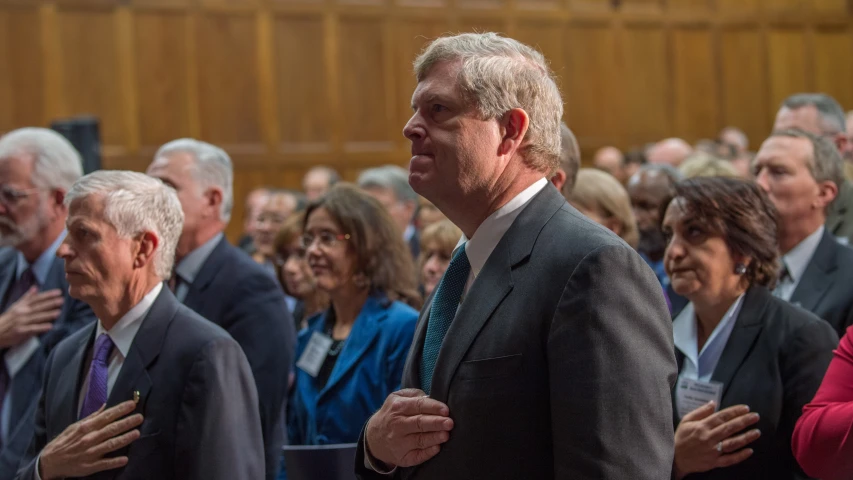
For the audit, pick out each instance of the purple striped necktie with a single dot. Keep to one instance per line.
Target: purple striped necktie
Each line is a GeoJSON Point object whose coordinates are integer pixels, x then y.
{"type": "Point", "coordinates": [96, 394]}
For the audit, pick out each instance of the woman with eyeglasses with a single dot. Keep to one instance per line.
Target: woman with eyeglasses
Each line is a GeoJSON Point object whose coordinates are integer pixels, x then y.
{"type": "Point", "coordinates": [351, 356]}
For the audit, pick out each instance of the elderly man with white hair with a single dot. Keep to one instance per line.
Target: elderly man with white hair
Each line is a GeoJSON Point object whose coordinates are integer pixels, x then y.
{"type": "Point", "coordinates": [37, 167]}
{"type": "Point", "coordinates": [546, 350]}
{"type": "Point", "coordinates": [223, 284]}
{"type": "Point", "coordinates": [152, 390]}
{"type": "Point", "coordinates": [671, 151]}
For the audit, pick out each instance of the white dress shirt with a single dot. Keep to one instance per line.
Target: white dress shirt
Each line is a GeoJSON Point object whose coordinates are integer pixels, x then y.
{"type": "Point", "coordinates": [122, 335]}
{"type": "Point", "coordinates": [700, 365]}
{"type": "Point", "coordinates": [796, 261]}
{"type": "Point", "coordinates": [481, 245]}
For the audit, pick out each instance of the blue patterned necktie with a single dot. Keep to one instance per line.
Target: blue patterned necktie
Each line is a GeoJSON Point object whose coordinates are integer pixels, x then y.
{"type": "Point", "coordinates": [96, 394]}
{"type": "Point", "coordinates": [443, 310]}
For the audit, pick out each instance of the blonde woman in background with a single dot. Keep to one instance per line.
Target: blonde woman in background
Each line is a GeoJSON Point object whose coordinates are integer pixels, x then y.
{"type": "Point", "coordinates": [437, 243]}
{"type": "Point", "coordinates": [601, 197]}
{"type": "Point", "coordinates": [703, 164]}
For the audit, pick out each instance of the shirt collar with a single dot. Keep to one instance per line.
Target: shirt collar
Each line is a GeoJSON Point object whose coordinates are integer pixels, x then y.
{"type": "Point", "coordinates": [684, 329]}
{"type": "Point", "coordinates": [409, 232]}
{"type": "Point", "coordinates": [124, 331]}
{"type": "Point", "coordinates": [191, 264]}
{"type": "Point", "coordinates": [43, 264]}
{"type": "Point", "coordinates": [489, 233]}
{"type": "Point", "coordinates": [799, 257]}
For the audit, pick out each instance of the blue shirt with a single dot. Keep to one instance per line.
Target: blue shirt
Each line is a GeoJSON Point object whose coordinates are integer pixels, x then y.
{"type": "Point", "coordinates": [700, 365]}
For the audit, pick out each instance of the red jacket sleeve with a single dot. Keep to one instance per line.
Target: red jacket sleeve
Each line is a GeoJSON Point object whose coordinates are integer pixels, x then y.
{"type": "Point", "coordinates": [823, 438]}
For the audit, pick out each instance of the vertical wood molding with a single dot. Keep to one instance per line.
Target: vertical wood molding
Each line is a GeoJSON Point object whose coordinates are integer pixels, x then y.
{"type": "Point", "coordinates": [331, 59]}
{"type": "Point", "coordinates": [54, 102]}
{"type": "Point", "coordinates": [126, 52]}
{"type": "Point", "coordinates": [193, 107]}
{"type": "Point", "coordinates": [267, 82]}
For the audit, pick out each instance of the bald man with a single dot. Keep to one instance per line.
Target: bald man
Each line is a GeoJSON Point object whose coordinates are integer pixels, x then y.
{"type": "Point", "coordinates": [672, 152]}
{"type": "Point", "coordinates": [611, 160]}
{"type": "Point", "coordinates": [736, 138]}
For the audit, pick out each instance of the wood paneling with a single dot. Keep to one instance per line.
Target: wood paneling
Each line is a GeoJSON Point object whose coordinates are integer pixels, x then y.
{"type": "Point", "coordinates": [286, 84]}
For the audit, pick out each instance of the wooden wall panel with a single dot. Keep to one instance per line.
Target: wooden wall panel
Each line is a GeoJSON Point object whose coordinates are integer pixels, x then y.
{"type": "Point", "coordinates": [228, 81]}
{"type": "Point", "coordinates": [834, 74]}
{"type": "Point", "coordinates": [744, 83]}
{"type": "Point", "coordinates": [90, 81]}
{"type": "Point", "coordinates": [162, 80]}
{"type": "Point", "coordinates": [695, 85]}
{"type": "Point", "coordinates": [787, 72]}
{"type": "Point", "coordinates": [286, 84]}
{"type": "Point", "coordinates": [21, 63]}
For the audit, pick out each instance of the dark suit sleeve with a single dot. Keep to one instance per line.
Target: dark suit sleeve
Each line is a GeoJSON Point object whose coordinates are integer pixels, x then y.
{"type": "Point", "coordinates": [263, 326]}
{"type": "Point", "coordinates": [39, 439]}
{"type": "Point", "coordinates": [804, 360]}
{"type": "Point", "coordinates": [218, 435]}
{"type": "Point", "coordinates": [611, 365]}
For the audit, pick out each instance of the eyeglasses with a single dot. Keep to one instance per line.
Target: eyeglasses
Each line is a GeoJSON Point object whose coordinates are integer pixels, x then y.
{"type": "Point", "coordinates": [324, 239]}
{"type": "Point", "coordinates": [10, 197]}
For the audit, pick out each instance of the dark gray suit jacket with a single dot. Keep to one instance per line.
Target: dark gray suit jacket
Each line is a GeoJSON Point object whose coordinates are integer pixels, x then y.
{"type": "Point", "coordinates": [825, 288]}
{"type": "Point", "coordinates": [774, 362]}
{"type": "Point", "coordinates": [234, 292]}
{"type": "Point", "coordinates": [196, 393]}
{"type": "Point", "coordinates": [559, 362]}
{"type": "Point", "coordinates": [27, 382]}
{"type": "Point", "coordinates": [839, 219]}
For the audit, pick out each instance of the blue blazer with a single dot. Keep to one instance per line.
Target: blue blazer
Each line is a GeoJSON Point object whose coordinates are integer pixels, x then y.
{"type": "Point", "coordinates": [369, 368]}
{"type": "Point", "coordinates": [26, 385]}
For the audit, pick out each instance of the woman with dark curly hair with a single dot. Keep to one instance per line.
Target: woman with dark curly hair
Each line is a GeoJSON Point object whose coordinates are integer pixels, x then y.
{"type": "Point", "coordinates": [351, 356]}
{"type": "Point", "coordinates": [747, 361]}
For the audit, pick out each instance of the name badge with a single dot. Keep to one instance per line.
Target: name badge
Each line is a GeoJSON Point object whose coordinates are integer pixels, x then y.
{"type": "Point", "coordinates": [315, 354]}
{"type": "Point", "coordinates": [692, 394]}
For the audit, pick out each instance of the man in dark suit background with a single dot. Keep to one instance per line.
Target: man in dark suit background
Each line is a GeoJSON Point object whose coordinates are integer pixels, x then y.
{"type": "Point", "coordinates": [389, 185]}
{"type": "Point", "coordinates": [546, 350]}
{"type": "Point", "coordinates": [801, 173]}
{"type": "Point", "coordinates": [224, 285]}
{"type": "Point", "coordinates": [37, 167]}
{"type": "Point", "coordinates": [161, 392]}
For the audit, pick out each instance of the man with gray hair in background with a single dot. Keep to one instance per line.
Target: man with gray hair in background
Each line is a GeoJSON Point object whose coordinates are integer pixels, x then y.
{"type": "Point", "coordinates": [570, 161]}
{"type": "Point", "coordinates": [821, 115]}
{"type": "Point", "coordinates": [546, 350]}
{"type": "Point", "coordinates": [37, 168]}
{"type": "Point", "coordinates": [389, 184]}
{"type": "Point", "coordinates": [150, 390]}
{"type": "Point", "coordinates": [223, 284]}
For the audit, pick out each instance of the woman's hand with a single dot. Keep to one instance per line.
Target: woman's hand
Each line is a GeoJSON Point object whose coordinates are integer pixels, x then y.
{"type": "Point", "coordinates": [705, 440]}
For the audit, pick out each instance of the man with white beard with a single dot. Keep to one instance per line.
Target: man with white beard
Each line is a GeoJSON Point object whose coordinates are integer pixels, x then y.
{"type": "Point", "coordinates": [37, 167]}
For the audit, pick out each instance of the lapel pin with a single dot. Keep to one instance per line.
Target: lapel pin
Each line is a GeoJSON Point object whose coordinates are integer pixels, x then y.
{"type": "Point", "coordinates": [136, 396]}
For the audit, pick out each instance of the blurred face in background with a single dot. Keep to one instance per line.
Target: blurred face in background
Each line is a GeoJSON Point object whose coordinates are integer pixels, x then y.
{"type": "Point", "coordinates": [401, 212]}
{"type": "Point", "coordinates": [648, 190]}
{"type": "Point", "coordinates": [330, 256]}
{"type": "Point", "coordinates": [435, 263]}
{"type": "Point", "coordinates": [428, 214]}
{"type": "Point", "coordinates": [25, 210]}
{"type": "Point", "coordinates": [296, 276]}
{"type": "Point", "coordinates": [271, 217]}
{"type": "Point", "coordinates": [254, 202]}
{"type": "Point", "coordinates": [315, 184]}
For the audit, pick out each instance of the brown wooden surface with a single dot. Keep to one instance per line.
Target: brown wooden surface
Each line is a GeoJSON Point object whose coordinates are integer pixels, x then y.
{"type": "Point", "coordinates": [286, 84]}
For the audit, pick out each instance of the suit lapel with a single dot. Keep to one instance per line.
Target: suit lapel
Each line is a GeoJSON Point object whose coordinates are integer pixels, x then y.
{"type": "Point", "coordinates": [747, 327]}
{"type": "Point", "coordinates": [7, 272]}
{"type": "Point", "coordinates": [364, 331]}
{"type": "Point", "coordinates": [206, 275]}
{"type": "Point", "coordinates": [71, 378]}
{"type": "Point", "coordinates": [491, 286]}
{"type": "Point", "coordinates": [812, 286]}
{"type": "Point", "coordinates": [411, 371]}
{"type": "Point", "coordinates": [145, 348]}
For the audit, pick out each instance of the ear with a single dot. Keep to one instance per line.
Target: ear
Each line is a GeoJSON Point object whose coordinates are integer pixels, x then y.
{"type": "Point", "coordinates": [827, 191]}
{"type": "Point", "coordinates": [559, 179]}
{"type": "Point", "coordinates": [58, 197]}
{"type": "Point", "coordinates": [514, 125]}
{"type": "Point", "coordinates": [148, 243]}
{"type": "Point", "coordinates": [214, 197]}
{"type": "Point", "coordinates": [842, 142]}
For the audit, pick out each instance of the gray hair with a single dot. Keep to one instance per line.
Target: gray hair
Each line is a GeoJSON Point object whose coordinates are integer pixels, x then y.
{"type": "Point", "coordinates": [391, 177]}
{"type": "Point", "coordinates": [212, 167]}
{"type": "Point", "coordinates": [136, 203]}
{"type": "Point", "coordinates": [826, 163]}
{"type": "Point", "coordinates": [672, 173]}
{"type": "Point", "coordinates": [499, 74]}
{"type": "Point", "coordinates": [830, 112]}
{"type": "Point", "coordinates": [570, 156]}
{"type": "Point", "coordinates": [57, 163]}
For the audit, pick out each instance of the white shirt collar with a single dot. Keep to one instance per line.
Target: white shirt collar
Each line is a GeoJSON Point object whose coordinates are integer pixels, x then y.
{"type": "Point", "coordinates": [192, 263]}
{"type": "Point", "coordinates": [799, 257]}
{"type": "Point", "coordinates": [489, 233]}
{"type": "Point", "coordinates": [685, 338]}
{"type": "Point", "coordinates": [409, 232]}
{"type": "Point", "coordinates": [124, 331]}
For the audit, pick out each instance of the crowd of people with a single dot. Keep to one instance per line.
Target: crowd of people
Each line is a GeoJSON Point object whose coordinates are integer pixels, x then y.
{"type": "Point", "coordinates": [493, 311]}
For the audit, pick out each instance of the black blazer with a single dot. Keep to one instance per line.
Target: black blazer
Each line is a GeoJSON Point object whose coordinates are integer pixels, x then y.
{"type": "Point", "coordinates": [825, 288]}
{"type": "Point", "coordinates": [559, 362]}
{"type": "Point", "coordinates": [773, 362]}
{"type": "Point", "coordinates": [26, 385]}
{"type": "Point", "coordinates": [234, 292]}
{"type": "Point", "coordinates": [196, 393]}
